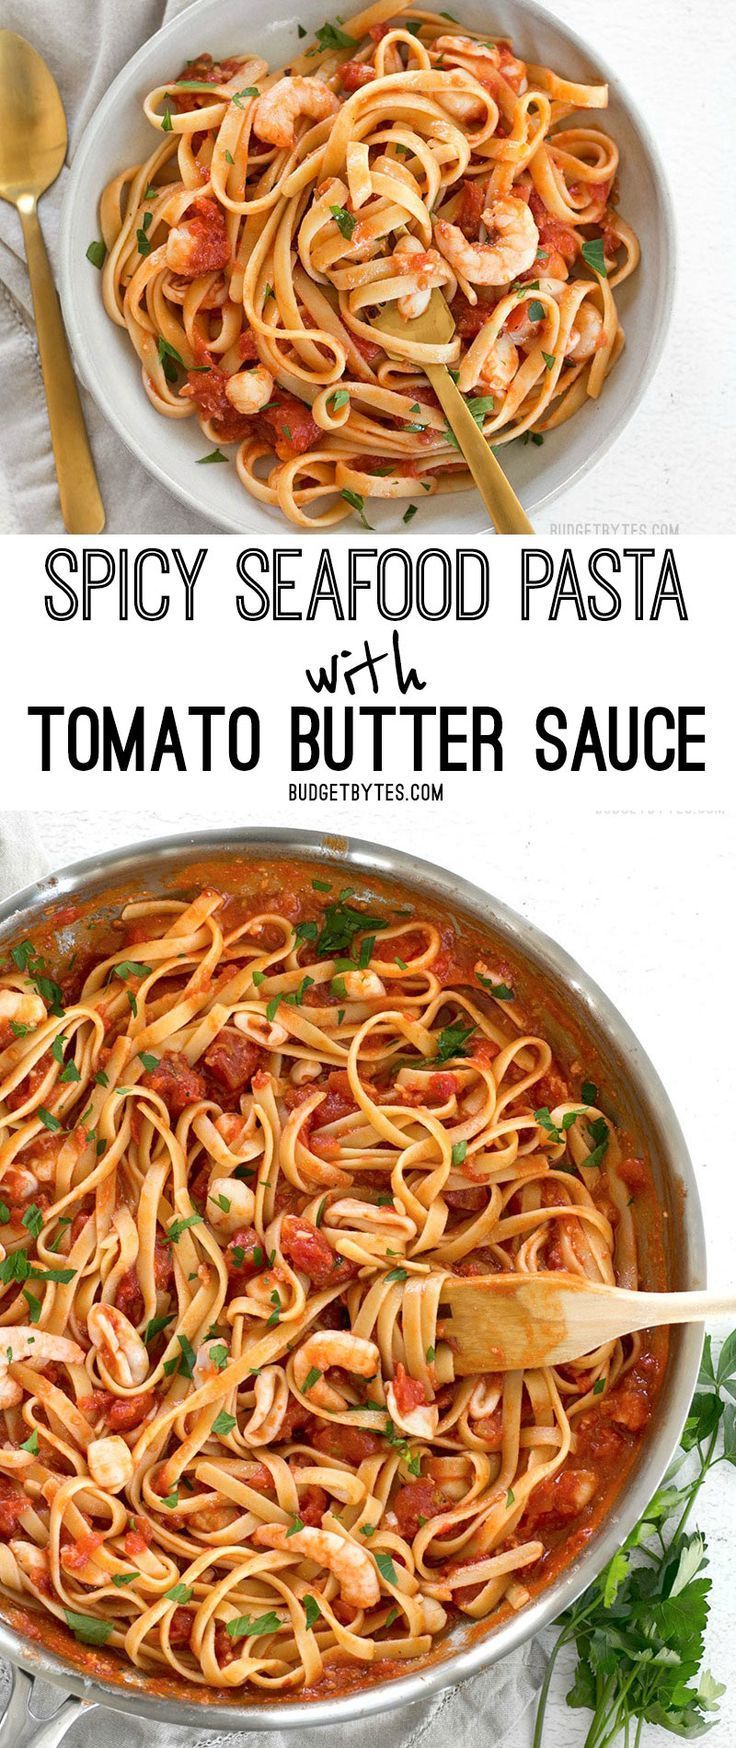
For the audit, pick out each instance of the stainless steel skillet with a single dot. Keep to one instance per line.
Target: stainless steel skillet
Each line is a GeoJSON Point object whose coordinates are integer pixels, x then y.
{"type": "Point", "coordinates": [574, 1009]}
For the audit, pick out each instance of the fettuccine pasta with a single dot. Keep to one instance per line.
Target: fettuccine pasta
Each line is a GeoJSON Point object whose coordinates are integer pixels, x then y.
{"type": "Point", "coordinates": [242, 1147]}
{"type": "Point", "coordinates": [281, 211]}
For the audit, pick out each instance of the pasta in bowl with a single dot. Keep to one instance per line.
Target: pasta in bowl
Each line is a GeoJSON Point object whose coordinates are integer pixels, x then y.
{"type": "Point", "coordinates": [246, 1135]}
{"type": "Point", "coordinates": [282, 209]}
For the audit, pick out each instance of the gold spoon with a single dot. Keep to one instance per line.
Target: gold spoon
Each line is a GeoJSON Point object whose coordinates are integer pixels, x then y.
{"type": "Point", "coordinates": [435, 328]}
{"type": "Point", "coordinates": [32, 151]}
{"type": "Point", "coordinates": [501, 1323]}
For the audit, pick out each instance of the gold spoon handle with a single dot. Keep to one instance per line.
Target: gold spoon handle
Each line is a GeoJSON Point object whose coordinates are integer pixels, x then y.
{"type": "Point", "coordinates": [81, 505]}
{"type": "Point", "coordinates": [498, 496]}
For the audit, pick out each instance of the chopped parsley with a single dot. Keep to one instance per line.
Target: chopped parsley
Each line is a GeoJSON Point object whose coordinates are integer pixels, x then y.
{"type": "Point", "coordinates": [345, 221]}
{"type": "Point", "coordinates": [177, 1227]}
{"type": "Point", "coordinates": [459, 1151]}
{"type": "Point", "coordinates": [87, 1628]}
{"type": "Point", "coordinates": [223, 1424]}
{"type": "Point", "coordinates": [329, 36]}
{"type": "Point", "coordinates": [452, 1041]}
{"type": "Point", "coordinates": [593, 254]}
{"type": "Point", "coordinates": [96, 253]}
{"type": "Point", "coordinates": [245, 1628]}
{"type": "Point", "coordinates": [214, 456]}
{"type": "Point", "coordinates": [409, 513]}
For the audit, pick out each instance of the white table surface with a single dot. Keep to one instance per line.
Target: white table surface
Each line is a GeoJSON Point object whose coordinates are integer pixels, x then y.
{"type": "Point", "coordinates": [652, 936]}
{"type": "Point", "coordinates": [669, 472]}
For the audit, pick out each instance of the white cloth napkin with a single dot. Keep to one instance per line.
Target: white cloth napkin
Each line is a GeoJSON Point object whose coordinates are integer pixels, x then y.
{"type": "Point", "coordinates": [85, 42]}
{"type": "Point", "coordinates": [491, 1703]}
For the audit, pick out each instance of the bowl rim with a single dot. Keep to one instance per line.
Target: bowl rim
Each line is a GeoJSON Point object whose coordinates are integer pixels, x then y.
{"type": "Point", "coordinates": [429, 878]}
{"type": "Point", "coordinates": [93, 375]}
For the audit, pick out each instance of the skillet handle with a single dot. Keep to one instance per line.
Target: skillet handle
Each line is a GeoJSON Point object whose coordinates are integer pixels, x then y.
{"type": "Point", "coordinates": [20, 1729]}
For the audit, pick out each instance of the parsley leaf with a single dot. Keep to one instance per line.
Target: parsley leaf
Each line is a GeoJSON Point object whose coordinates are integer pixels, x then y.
{"type": "Point", "coordinates": [453, 1040]}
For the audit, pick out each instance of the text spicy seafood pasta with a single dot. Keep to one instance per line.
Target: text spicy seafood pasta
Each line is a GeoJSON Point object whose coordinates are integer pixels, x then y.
{"type": "Point", "coordinates": [242, 1145]}
{"type": "Point", "coordinates": [280, 212]}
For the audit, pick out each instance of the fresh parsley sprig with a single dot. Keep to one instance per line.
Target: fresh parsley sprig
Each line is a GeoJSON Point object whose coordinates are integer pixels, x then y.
{"type": "Point", "coordinates": [638, 1631]}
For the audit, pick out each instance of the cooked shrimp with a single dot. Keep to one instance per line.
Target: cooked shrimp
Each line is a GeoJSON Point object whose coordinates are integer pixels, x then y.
{"type": "Point", "coordinates": [499, 367]}
{"type": "Point", "coordinates": [511, 248]}
{"type": "Point", "coordinates": [366, 985]}
{"type": "Point", "coordinates": [486, 1396]}
{"type": "Point", "coordinates": [25, 1010]}
{"type": "Point", "coordinates": [333, 1347]}
{"type": "Point", "coordinates": [427, 270]}
{"type": "Point", "coordinates": [121, 1352]}
{"type": "Point", "coordinates": [268, 1033]}
{"type": "Point", "coordinates": [307, 1069]}
{"type": "Point", "coordinates": [277, 111]}
{"type": "Point", "coordinates": [110, 1463]}
{"type": "Point", "coordinates": [205, 1367]}
{"type": "Point", "coordinates": [272, 1400]}
{"type": "Point", "coordinates": [489, 58]}
{"type": "Point", "coordinates": [33, 1562]}
{"type": "Point", "coordinates": [230, 1204]}
{"type": "Point", "coordinates": [419, 1422]}
{"type": "Point", "coordinates": [586, 334]}
{"type": "Point", "coordinates": [250, 390]}
{"type": "Point", "coordinates": [22, 1342]}
{"type": "Point", "coordinates": [351, 1565]}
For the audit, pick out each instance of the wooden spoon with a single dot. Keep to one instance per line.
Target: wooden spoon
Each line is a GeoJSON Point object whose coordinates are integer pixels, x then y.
{"type": "Point", "coordinates": [32, 151]}
{"type": "Point", "coordinates": [436, 328]}
{"type": "Point", "coordinates": [502, 1323]}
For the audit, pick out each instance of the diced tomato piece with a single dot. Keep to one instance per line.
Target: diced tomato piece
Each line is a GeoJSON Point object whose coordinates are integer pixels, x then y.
{"type": "Point", "coordinates": [482, 1262]}
{"type": "Point", "coordinates": [369, 349]}
{"type": "Point", "coordinates": [339, 1101]}
{"type": "Point", "coordinates": [418, 1499]}
{"type": "Point", "coordinates": [553, 234]}
{"type": "Point", "coordinates": [77, 1554]}
{"type": "Point", "coordinates": [30, 1082]}
{"type": "Point", "coordinates": [296, 1416]}
{"type": "Point", "coordinates": [629, 1407]}
{"type": "Point", "coordinates": [180, 1630]}
{"type": "Point", "coordinates": [353, 74]}
{"type": "Point", "coordinates": [469, 319]}
{"type": "Point", "coordinates": [634, 1172]}
{"type": "Point", "coordinates": [225, 1645]}
{"type": "Point", "coordinates": [176, 1082]}
{"type": "Point", "coordinates": [313, 1504]}
{"type": "Point", "coordinates": [247, 347]}
{"type": "Point", "coordinates": [442, 1086]}
{"type": "Point", "coordinates": [472, 202]}
{"type": "Point", "coordinates": [288, 425]}
{"type": "Point", "coordinates": [232, 1060]}
{"type": "Point", "coordinates": [125, 1412]}
{"type": "Point", "coordinates": [207, 388]}
{"type": "Point", "coordinates": [561, 1497]}
{"type": "Point", "coordinates": [128, 1297]}
{"type": "Point", "coordinates": [409, 1392]}
{"type": "Point", "coordinates": [205, 71]}
{"type": "Point", "coordinates": [483, 1049]}
{"type": "Point", "coordinates": [163, 1266]}
{"type": "Point", "coordinates": [377, 31]}
{"type": "Point", "coordinates": [204, 222]}
{"type": "Point", "coordinates": [490, 1428]}
{"type": "Point", "coordinates": [244, 1255]}
{"type": "Point", "coordinates": [348, 1444]}
{"type": "Point", "coordinates": [551, 1090]}
{"type": "Point", "coordinates": [468, 1201]}
{"type": "Point", "coordinates": [138, 1538]}
{"type": "Point", "coordinates": [310, 1252]}
{"type": "Point", "coordinates": [13, 1503]}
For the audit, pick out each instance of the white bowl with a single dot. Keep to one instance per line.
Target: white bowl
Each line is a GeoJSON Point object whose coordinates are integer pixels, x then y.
{"type": "Point", "coordinates": [119, 134]}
